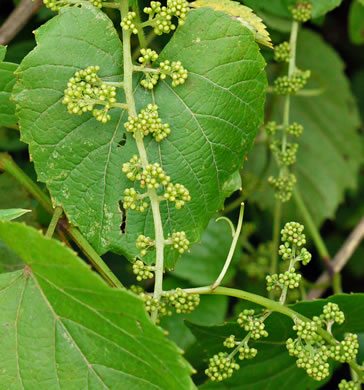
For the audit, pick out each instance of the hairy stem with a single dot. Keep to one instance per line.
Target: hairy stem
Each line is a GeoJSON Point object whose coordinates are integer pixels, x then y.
{"type": "Point", "coordinates": [153, 196]}
{"type": "Point", "coordinates": [8, 165]}
{"type": "Point", "coordinates": [58, 211]}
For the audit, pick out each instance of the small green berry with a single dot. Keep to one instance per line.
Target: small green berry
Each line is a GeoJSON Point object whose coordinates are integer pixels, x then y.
{"type": "Point", "coordinates": [230, 342]}
{"type": "Point", "coordinates": [351, 385]}
{"type": "Point", "coordinates": [144, 244]}
{"type": "Point", "coordinates": [134, 201]}
{"type": "Point", "coordinates": [181, 301]}
{"type": "Point", "coordinates": [345, 350]}
{"type": "Point", "coordinates": [252, 324]}
{"type": "Point", "coordinates": [179, 242]}
{"type": "Point", "coordinates": [293, 233]}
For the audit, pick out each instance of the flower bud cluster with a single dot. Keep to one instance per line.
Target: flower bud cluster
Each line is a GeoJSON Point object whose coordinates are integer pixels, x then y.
{"type": "Point", "coordinates": [148, 122]}
{"type": "Point", "coordinates": [289, 279]}
{"type": "Point", "coordinates": [153, 176]}
{"type": "Point", "coordinates": [310, 349]}
{"type": "Point", "coordinates": [181, 301]}
{"type": "Point", "coordinates": [293, 234]}
{"type": "Point", "coordinates": [179, 242]}
{"type": "Point", "coordinates": [177, 193]}
{"type": "Point", "coordinates": [351, 385]}
{"type": "Point", "coordinates": [283, 185]}
{"type": "Point", "coordinates": [302, 11]}
{"type": "Point", "coordinates": [161, 16]}
{"type": "Point", "coordinates": [133, 168]}
{"type": "Point", "coordinates": [148, 56]}
{"type": "Point", "coordinates": [221, 367]}
{"type": "Point", "coordinates": [175, 70]}
{"type": "Point", "coordinates": [345, 350]}
{"type": "Point", "coordinates": [134, 201]}
{"type": "Point", "coordinates": [271, 128]}
{"type": "Point", "coordinates": [54, 5]}
{"type": "Point", "coordinates": [230, 342]}
{"type": "Point", "coordinates": [285, 85]}
{"type": "Point", "coordinates": [142, 271]}
{"type": "Point", "coordinates": [144, 244]}
{"type": "Point", "coordinates": [331, 313]}
{"type": "Point", "coordinates": [285, 157]}
{"type": "Point", "coordinates": [85, 90]}
{"type": "Point", "coordinates": [295, 129]}
{"type": "Point", "coordinates": [282, 52]}
{"type": "Point", "coordinates": [129, 23]}
{"type": "Point", "coordinates": [252, 324]}
{"type": "Point", "coordinates": [311, 357]}
{"type": "Point", "coordinates": [151, 304]}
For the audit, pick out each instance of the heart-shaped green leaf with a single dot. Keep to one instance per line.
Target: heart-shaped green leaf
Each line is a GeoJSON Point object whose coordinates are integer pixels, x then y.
{"type": "Point", "coordinates": [62, 327]}
{"type": "Point", "coordinates": [213, 117]}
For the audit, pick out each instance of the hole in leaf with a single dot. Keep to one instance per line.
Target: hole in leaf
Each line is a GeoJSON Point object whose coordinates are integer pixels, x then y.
{"type": "Point", "coordinates": [124, 217]}
{"type": "Point", "coordinates": [122, 142]}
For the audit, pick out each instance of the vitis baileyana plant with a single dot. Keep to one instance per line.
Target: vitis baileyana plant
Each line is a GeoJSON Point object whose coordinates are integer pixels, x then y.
{"type": "Point", "coordinates": [139, 150]}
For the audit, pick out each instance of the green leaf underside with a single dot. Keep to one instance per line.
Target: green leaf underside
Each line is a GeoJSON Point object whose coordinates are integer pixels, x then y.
{"type": "Point", "coordinates": [330, 149]}
{"type": "Point", "coordinates": [280, 370]}
{"type": "Point", "coordinates": [9, 214]}
{"type": "Point", "coordinates": [280, 7]}
{"type": "Point", "coordinates": [213, 118]}
{"type": "Point", "coordinates": [204, 263]}
{"type": "Point", "coordinates": [7, 81]}
{"type": "Point", "coordinates": [62, 327]}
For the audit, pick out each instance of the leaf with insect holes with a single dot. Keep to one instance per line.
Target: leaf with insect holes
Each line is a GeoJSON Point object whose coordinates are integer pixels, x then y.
{"type": "Point", "coordinates": [214, 118]}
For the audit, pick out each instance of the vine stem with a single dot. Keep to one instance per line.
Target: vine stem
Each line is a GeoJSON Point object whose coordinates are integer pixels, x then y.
{"type": "Point", "coordinates": [153, 196]}
{"type": "Point", "coordinates": [272, 306]}
{"type": "Point", "coordinates": [232, 249]}
{"type": "Point", "coordinates": [8, 165]}
{"type": "Point", "coordinates": [58, 211]}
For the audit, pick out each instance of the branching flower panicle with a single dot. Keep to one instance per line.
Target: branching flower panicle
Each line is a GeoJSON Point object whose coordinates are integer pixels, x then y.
{"type": "Point", "coordinates": [85, 90]}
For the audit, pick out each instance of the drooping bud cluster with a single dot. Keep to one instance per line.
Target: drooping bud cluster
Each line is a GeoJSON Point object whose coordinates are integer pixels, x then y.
{"type": "Point", "coordinates": [85, 90]}
{"type": "Point", "coordinates": [179, 242]}
{"type": "Point", "coordinates": [311, 357]}
{"type": "Point", "coordinates": [221, 367]}
{"type": "Point", "coordinates": [252, 324]}
{"type": "Point", "coordinates": [283, 185]}
{"type": "Point", "coordinates": [302, 11]}
{"type": "Point", "coordinates": [133, 200]}
{"type": "Point", "coordinates": [181, 301]}
{"type": "Point", "coordinates": [293, 239]}
{"type": "Point", "coordinates": [128, 23]}
{"type": "Point", "coordinates": [142, 271]}
{"type": "Point", "coordinates": [310, 348]}
{"type": "Point", "coordinates": [148, 122]}
{"type": "Point", "coordinates": [144, 244]}
{"type": "Point", "coordinates": [282, 52]}
{"type": "Point", "coordinates": [160, 17]}
{"type": "Point", "coordinates": [285, 85]}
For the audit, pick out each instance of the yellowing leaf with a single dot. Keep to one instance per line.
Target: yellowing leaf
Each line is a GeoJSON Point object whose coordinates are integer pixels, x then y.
{"type": "Point", "coordinates": [244, 14]}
